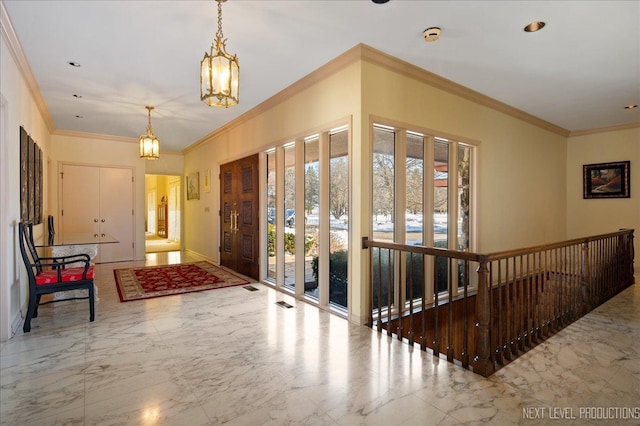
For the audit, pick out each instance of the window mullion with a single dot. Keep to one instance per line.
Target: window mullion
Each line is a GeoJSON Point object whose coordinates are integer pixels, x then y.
{"type": "Point", "coordinates": [452, 219]}
{"type": "Point", "coordinates": [300, 219]}
{"type": "Point", "coordinates": [400, 210]}
{"type": "Point", "coordinates": [429, 182]}
{"type": "Point", "coordinates": [280, 216]}
{"type": "Point", "coordinates": [324, 240]}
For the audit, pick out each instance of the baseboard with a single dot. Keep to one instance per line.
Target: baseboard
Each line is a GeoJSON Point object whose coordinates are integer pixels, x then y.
{"type": "Point", "coordinates": [214, 261]}
{"type": "Point", "coordinates": [16, 323]}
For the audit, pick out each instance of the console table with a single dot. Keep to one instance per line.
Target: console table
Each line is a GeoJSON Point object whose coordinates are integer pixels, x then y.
{"type": "Point", "coordinates": [81, 243]}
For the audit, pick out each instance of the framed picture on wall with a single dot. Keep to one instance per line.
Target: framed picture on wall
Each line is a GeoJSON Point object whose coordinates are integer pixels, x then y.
{"type": "Point", "coordinates": [193, 186]}
{"type": "Point", "coordinates": [606, 180]}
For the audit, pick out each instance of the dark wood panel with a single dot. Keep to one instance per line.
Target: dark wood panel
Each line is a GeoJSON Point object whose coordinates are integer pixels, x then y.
{"type": "Point", "coordinates": [239, 226]}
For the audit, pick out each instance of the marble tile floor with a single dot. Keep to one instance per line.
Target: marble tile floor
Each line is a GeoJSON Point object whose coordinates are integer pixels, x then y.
{"type": "Point", "coordinates": [234, 356]}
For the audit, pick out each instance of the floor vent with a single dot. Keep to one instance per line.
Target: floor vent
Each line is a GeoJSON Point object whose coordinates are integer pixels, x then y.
{"type": "Point", "coordinates": [284, 304]}
{"type": "Point", "coordinates": [250, 288]}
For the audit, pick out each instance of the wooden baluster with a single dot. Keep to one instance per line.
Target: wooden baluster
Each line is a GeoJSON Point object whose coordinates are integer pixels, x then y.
{"type": "Point", "coordinates": [436, 309]}
{"type": "Point", "coordinates": [500, 329]}
{"type": "Point", "coordinates": [411, 332]}
{"type": "Point", "coordinates": [465, 315]}
{"type": "Point", "coordinates": [482, 362]}
{"type": "Point", "coordinates": [390, 287]}
{"type": "Point", "coordinates": [450, 282]}
{"type": "Point", "coordinates": [423, 325]}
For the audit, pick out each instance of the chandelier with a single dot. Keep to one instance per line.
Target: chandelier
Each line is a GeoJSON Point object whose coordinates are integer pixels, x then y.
{"type": "Point", "coordinates": [219, 72]}
{"type": "Point", "coordinates": [149, 144]}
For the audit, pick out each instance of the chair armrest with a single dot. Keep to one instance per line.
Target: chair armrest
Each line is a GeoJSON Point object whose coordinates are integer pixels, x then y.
{"type": "Point", "coordinates": [58, 265]}
{"type": "Point", "coordinates": [84, 257]}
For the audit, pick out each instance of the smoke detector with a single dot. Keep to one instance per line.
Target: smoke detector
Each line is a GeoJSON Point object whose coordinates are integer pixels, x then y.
{"type": "Point", "coordinates": [431, 34]}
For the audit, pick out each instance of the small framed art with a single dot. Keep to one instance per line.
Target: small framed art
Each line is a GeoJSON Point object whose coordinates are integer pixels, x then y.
{"type": "Point", "coordinates": [606, 180]}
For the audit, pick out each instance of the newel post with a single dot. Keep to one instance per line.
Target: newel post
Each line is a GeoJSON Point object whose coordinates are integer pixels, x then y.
{"type": "Point", "coordinates": [585, 278]}
{"type": "Point", "coordinates": [483, 364]}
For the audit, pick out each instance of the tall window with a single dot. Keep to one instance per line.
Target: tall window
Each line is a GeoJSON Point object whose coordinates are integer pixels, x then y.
{"type": "Point", "coordinates": [271, 216]}
{"type": "Point", "coordinates": [339, 218]}
{"type": "Point", "coordinates": [415, 208]}
{"type": "Point", "coordinates": [383, 214]}
{"type": "Point", "coordinates": [308, 196]}
{"type": "Point", "coordinates": [289, 254]}
{"type": "Point", "coordinates": [312, 213]}
{"type": "Point", "coordinates": [402, 213]}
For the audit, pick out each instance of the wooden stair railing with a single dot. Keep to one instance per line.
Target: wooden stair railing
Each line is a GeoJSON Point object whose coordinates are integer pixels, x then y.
{"type": "Point", "coordinates": [513, 301]}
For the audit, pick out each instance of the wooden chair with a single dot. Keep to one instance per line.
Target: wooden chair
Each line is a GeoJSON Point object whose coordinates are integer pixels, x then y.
{"type": "Point", "coordinates": [49, 275]}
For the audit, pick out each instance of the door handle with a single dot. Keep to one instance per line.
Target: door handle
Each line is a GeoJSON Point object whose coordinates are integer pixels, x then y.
{"type": "Point", "coordinates": [95, 220]}
{"type": "Point", "coordinates": [95, 235]}
{"type": "Point", "coordinates": [103, 221]}
{"type": "Point", "coordinates": [234, 221]}
{"type": "Point", "coordinates": [103, 235]}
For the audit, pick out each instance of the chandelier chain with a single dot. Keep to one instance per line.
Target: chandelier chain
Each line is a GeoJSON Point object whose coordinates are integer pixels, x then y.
{"type": "Point", "coordinates": [149, 130]}
{"type": "Point", "coordinates": [219, 33]}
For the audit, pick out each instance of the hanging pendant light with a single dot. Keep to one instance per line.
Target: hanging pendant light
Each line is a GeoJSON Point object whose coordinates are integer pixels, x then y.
{"type": "Point", "coordinates": [149, 144]}
{"type": "Point", "coordinates": [219, 72]}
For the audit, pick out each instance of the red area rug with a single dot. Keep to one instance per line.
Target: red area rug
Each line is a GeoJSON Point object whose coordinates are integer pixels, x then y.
{"type": "Point", "coordinates": [168, 280]}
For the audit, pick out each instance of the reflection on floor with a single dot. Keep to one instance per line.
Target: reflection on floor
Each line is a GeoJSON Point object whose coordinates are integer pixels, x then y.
{"type": "Point", "coordinates": [231, 355]}
{"type": "Point", "coordinates": [155, 244]}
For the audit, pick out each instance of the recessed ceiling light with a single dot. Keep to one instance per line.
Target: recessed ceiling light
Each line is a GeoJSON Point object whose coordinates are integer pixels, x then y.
{"type": "Point", "coordinates": [74, 64]}
{"type": "Point", "coordinates": [431, 34]}
{"type": "Point", "coordinates": [77, 96]}
{"type": "Point", "coordinates": [631, 106]}
{"type": "Point", "coordinates": [534, 26]}
{"type": "Point", "coordinates": [380, 1]}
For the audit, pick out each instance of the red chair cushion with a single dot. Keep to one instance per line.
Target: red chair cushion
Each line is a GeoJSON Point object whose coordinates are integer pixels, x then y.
{"type": "Point", "coordinates": [50, 276]}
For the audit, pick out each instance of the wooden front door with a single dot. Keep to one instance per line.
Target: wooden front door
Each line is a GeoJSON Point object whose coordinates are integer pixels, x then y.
{"type": "Point", "coordinates": [239, 228]}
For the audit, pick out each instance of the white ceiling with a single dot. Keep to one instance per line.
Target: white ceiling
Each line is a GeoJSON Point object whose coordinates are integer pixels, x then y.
{"type": "Point", "coordinates": [577, 73]}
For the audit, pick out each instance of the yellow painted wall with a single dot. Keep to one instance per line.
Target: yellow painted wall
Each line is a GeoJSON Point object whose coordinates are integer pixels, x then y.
{"type": "Point", "coordinates": [169, 163]}
{"type": "Point", "coordinates": [329, 101]}
{"type": "Point", "coordinates": [520, 167]}
{"type": "Point", "coordinates": [598, 216]}
{"type": "Point", "coordinates": [19, 108]}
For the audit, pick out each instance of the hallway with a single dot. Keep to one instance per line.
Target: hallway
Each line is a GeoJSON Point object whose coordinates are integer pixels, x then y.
{"type": "Point", "coordinates": [231, 355]}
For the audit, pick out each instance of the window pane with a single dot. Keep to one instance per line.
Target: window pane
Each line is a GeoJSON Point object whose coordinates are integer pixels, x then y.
{"type": "Point", "coordinates": [464, 164]}
{"type": "Point", "coordinates": [441, 209]}
{"type": "Point", "coordinates": [339, 218]}
{"type": "Point", "coordinates": [311, 207]}
{"type": "Point", "coordinates": [414, 212]}
{"type": "Point", "coordinates": [289, 216]}
{"type": "Point", "coordinates": [382, 273]}
{"type": "Point", "coordinates": [271, 216]}
{"type": "Point", "coordinates": [383, 184]}
{"type": "Point", "coordinates": [383, 197]}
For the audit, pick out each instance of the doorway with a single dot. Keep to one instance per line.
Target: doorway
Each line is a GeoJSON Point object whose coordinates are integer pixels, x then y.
{"type": "Point", "coordinates": [162, 213]}
{"type": "Point", "coordinates": [239, 229]}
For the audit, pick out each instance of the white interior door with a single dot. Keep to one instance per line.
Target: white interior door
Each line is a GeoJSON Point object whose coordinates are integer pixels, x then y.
{"type": "Point", "coordinates": [116, 213]}
{"type": "Point", "coordinates": [80, 209]}
{"type": "Point", "coordinates": [99, 200]}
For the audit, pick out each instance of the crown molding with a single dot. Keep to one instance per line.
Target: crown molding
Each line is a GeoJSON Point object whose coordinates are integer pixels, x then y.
{"type": "Point", "coordinates": [614, 128]}
{"type": "Point", "coordinates": [108, 138]}
{"type": "Point", "coordinates": [377, 57]}
{"type": "Point", "coordinates": [8, 33]}
{"type": "Point", "coordinates": [392, 63]}
{"type": "Point", "coordinates": [326, 70]}
{"type": "Point", "coordinates": [74, 134]}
